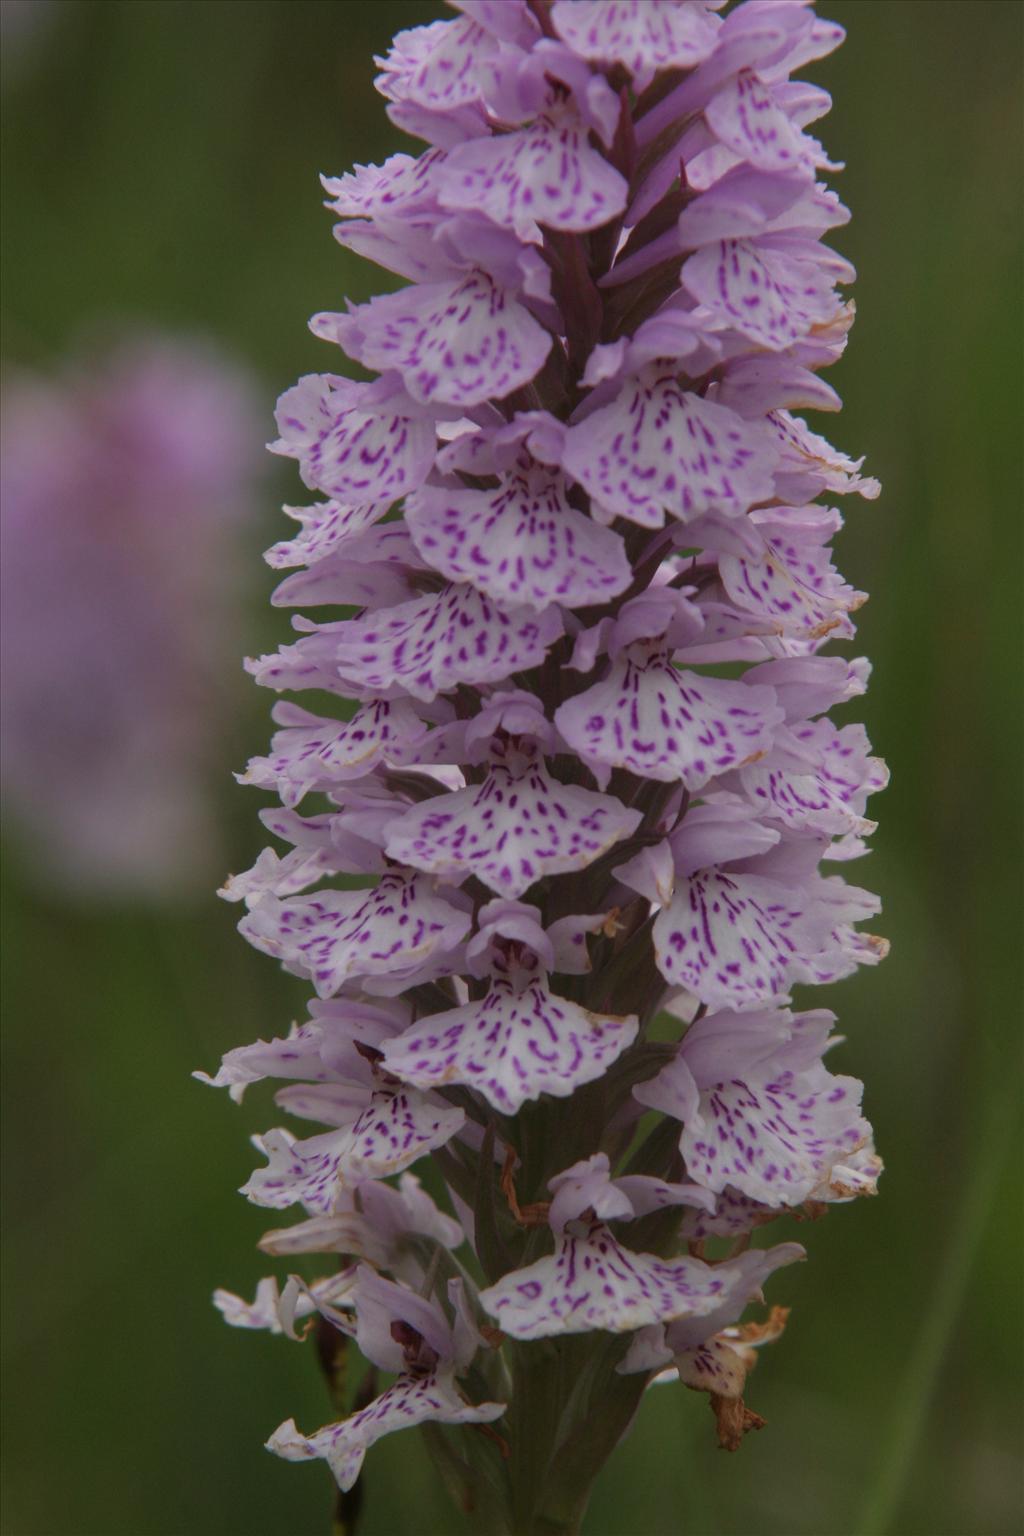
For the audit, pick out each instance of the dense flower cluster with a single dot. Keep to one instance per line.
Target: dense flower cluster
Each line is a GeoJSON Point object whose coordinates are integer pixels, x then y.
{"type": "Point", "coordinates": [125, 479]}
{"type": "Point", "coordinates": [590, 779]}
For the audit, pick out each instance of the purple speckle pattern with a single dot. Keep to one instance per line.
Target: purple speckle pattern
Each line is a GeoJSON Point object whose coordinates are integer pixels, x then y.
{"type": "Point", "coordinates": [355, 455]}
{"type": "Point", "coordinates": [312, 753]}
{"type": "Point", "coordinates": [764, 1123]}
{"type": "Point", "coordinates": [697, 1345]}
{"type": "Point", "coordinates": [306, 663]}
{"type": "Point", "coordinates": [734, 1215]}
{"type": "Point", "coordinates": [456, 343]}
{"type": "Point", "coordinates": [517, 827]}
{"type": "Point", "coordinates": [818, 779]}
{"type": "Point", "coordinates": [771, 291]}
{"type": "Point", "coordinates": [644, 36]}
{"type": "Point", "coordinates": [511, 1046]}
{"type": "Point", "coordinates": [733, 940]}
{"type": "Point", "coordinates": [659, 450]}
{"type": "Point", "coordinates": [521, 543]}
{"type": "Point", "coordinates": [662, 723]}
{"type": "Point", "coordinates": [437, 67]}
{"type": "Point", "coordinates": [745, 115]}
{"type": "Point", "coordinates": [592, 1281]}
{"type": "Point", "coordinates": [567, 567]}
{"type": "Point", "coordinates": [790, 581]}
{"type": "Point", "coordinates": [409, 1401]}
{"type": "Point", "coordinates": [547, 173]}
{"type": "Point", "coordinates": [434, 643]}
{"type": "Point", "coordinates": [336, 937]}
{"type": "Point", "coordinates": [401, 187]}
{"type": "Point", "coordinates": [326, 527]}
{"type": "Point", "coordinates": [770, 1135]}
{"type": "Point", "coordinates": [396, 1128]}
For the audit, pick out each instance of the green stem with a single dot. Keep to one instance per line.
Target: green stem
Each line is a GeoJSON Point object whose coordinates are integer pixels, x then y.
{"type": "Point", "coordinates": [570, 1410]}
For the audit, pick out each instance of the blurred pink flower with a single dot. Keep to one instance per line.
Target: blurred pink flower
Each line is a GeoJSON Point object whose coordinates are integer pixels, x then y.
{"type": "Point", "coordinates": [123, 482]}
{"type": "Point", "coordinates": [23, 27]}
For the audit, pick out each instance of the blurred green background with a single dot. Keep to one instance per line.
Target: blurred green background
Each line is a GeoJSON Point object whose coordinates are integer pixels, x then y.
{"type": "Point", "coordinates": [160, 162]}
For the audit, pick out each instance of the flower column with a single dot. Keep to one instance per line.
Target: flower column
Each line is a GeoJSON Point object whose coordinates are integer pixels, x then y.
{"type": "Point", "coordinates": [584, 579]}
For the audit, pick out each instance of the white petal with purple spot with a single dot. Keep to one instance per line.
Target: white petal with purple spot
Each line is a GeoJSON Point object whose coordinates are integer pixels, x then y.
{"type": "Point", "coordinates": [392, 931]}
{"type": "Point", "coordinates": [355, 455]}
{"type": "Point", "coordinates": [313, 753]}
{"type": "Point", "coordinates": [770, 292]}
{"type": "Point", "coordinates": [661, 723]}
{"type": "Point", "coordinates": [791, 579]}
{"type": "Point", "coordinates": [547, 174]}
{"type": "Point", "coordinates": [454, 343]}
{"type": "Point", "coordinates": [734, 940]}
{"type": "Point", "coordinates": [515, 828]}
{"type": "Point", "coordinates": [591, 1281]}
{"type": "Point", "coordinates": [774, 1136]}
{"type": "Point", "coordinates": [745, 114]}
{"type": "Point", "coordinates": [659, 448]}
{"type": "Point", "coordinates": [396, 1127]}
{"type": "Point", "coordinates": [434, 643]}
{"type": "Point", "coordinates": [511, 1046]}
{"type": "Point", "coordinates": [410, 1400]}
{"type": "Point", "coordinates": [521, 543]}
{"type": "Point", "coordinates": [645, 36]}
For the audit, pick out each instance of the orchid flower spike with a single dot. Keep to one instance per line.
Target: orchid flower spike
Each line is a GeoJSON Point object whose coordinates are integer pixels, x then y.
{"type": "Point", "coordinates": [566, 558]}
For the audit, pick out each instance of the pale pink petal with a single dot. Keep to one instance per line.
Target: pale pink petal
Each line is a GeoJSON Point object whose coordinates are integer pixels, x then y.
{"type": "Point", "coordinates": [660, 723]}
{"type": "Point", "coordinates": [760, 1114]}
{"type": "Point", "coordinates": [515, 828]}
{"type": "Point", "coordinates": [437, 66]}
{"type": "Point", "coordinates": [587, 1186]}
{"type": "Point", "coordinates": [410, 1400]}
{"type": "Point", "coordinates": [434, 643]}
{"type": "Point", "coordinates": [394, 931]}
{"type": "Point", "coordinates": [770, 293]}
{"type": "Point", "coordinates": [374, 1221]}
{"type": "Point", "coordinates": [511, 1046]}
{"type": "Point", "coordinates": [734, 1215]}
{"type": "Point", "coordinates": [593, 1282]}
{"type": "Point", "coordinates": [818, 779]}
{"type": "Point", "coordinates": [403, 185]}
{"type": "Point", "coordinates": [547, 174]}
{"type": "Point", "coordinates": [646, 36]}
{"type": "Point", "coordinates": [277, 1312]}
{"type": "Point", "coordinates": [792, 580]}
{"type": "Point", "coordinates": [398, 1126]}
{"type": "Point", "coordinates": [809, 685]}
{"type": "Point", "coordinates": [314, 753]}
{"type": "Point", "coordinates": [512, 21]}
{"type": "Point", "coordinates": [720, 831]}
{"type": "Point", "coordinates": [746, 115]}
{"type": "Point", "coordinates": [297, 1055]}
{"type": "Point", "coordinates": [521, 543]}
{"type": "Point", "coordinates": [809, 464]}
{"type": "Point", "coordinates": [661, 449]}
{"type": "Point", "coordinates": [744, 1277]}
{"type": "Point", "coordinates": [454, 343]}
{"type": "Point", "coordinates": [326, 527]}
{"type": "Point", "coordinates": [356, 455]}
{"type": "Point", "coordinates": [733, 940]}
{"type": "Point", "coordinates": [774, 1137]}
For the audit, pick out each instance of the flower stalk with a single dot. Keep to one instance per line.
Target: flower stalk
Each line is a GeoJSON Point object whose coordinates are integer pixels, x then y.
{"type": "Point", "coordinates": [563, 873]}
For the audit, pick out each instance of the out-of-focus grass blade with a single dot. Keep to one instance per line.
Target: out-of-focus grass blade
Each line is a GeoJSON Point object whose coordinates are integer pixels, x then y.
{"type": "Point", "coordinates": [913, 1400]}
